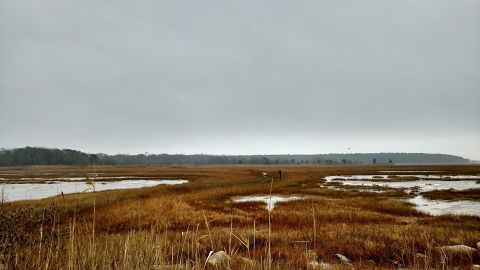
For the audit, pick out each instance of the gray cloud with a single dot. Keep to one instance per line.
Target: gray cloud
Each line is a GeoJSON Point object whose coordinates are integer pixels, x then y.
{"type": "Point", "coordinates": [243, 77]}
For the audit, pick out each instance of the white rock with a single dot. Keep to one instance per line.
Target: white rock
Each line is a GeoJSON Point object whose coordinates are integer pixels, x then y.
{"type": "Point", "coordinates": [457, 249]}
{"type": "Point", "coordinates": [218, 258]}
{"type": "Point", "coordinates": [343, 259]}
{"type": "Point", "coordinates": [476, 266]}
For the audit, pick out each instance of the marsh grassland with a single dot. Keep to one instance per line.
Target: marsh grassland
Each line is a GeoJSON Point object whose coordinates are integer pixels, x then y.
{"type": "Point", "coordinates": [177, 226]}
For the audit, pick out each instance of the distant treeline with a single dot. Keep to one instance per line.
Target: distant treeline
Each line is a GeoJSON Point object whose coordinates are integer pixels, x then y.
{"type": "Point", "coordinates": [45, 156]}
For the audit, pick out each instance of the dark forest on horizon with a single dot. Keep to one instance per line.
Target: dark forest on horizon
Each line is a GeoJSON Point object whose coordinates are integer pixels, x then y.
{"type": "Point", "coordinates": [47, 156]}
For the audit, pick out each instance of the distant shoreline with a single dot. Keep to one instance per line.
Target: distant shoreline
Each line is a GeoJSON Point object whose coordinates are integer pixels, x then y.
{"type": "Point", "coordinates": [51, 156]}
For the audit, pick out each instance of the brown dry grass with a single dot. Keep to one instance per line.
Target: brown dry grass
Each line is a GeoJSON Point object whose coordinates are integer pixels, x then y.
{"type": "Point", "coordinates": [164, 226]}
{"type": "Point", "coordinates": [454, 195]}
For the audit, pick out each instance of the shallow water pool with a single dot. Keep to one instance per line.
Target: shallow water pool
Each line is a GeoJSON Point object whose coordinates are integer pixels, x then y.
{"type": "Point", "coordinates": [34, 191]}
{"type": "Point", "coordinates": [440, 207]}
{"type": "Point", "coordinates": [425, 183]}
{"type": "Point", "coordinates": [270, 202]}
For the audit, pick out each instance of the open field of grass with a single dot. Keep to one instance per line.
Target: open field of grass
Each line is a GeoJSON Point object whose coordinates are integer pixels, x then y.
{"type": "Point", "coordinates": [175, 227]}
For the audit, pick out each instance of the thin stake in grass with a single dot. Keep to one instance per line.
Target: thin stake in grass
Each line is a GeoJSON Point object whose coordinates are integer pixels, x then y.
{"type": "Point", "coordinates": [270, 226]}
{"type": "Point", "coordinates": [92, 183]}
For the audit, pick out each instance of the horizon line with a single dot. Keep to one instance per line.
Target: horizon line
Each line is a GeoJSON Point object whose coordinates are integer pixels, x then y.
{"type": "Point", "coordinates": [237, 154]}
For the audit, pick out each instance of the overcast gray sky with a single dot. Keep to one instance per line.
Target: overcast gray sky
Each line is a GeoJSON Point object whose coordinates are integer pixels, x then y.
{"type": "Point", "coordinates": [241, 77]}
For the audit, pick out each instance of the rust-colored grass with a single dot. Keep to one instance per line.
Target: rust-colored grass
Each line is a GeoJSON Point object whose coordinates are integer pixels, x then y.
{"type": "Point", "coordinates": [454, 195]}
{"type": "Point", "coordinates": [165, 227]}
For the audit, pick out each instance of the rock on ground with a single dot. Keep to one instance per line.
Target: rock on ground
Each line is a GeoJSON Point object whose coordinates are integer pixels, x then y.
{"type": "Point", "coordinates": [457, 250]}
{"type": "Point", "coordinates": [343, 259]}
{"type": "Point", "coordinates": [219, 258]}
